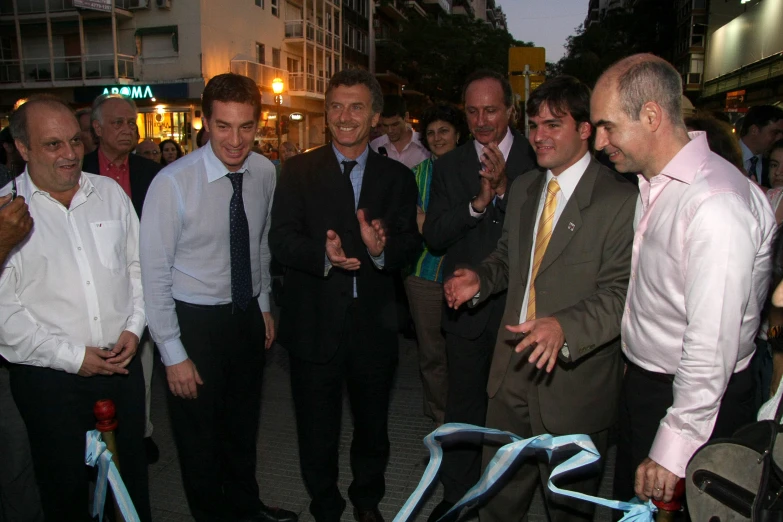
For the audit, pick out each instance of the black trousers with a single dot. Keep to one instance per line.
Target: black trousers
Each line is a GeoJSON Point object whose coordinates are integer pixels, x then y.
{"type": "Point", "coordinates": [365, 362]}
{"type": "Point", "coordinates": [644, 399]}
{"type": "Point", "coordinates": [469, 361]}
{"type": "Point", "coordinates": [57, 409]}
{"type": "Point", "coordinates": [216, 433]}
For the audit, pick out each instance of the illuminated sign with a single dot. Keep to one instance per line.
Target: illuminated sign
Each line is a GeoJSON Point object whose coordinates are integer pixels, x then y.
{"type": "Point", "coordinates": [95, 5]}
{"type": "Point", "coordinates": [136, 92]}
{"type": "Point", "coordinates": [296, 116]}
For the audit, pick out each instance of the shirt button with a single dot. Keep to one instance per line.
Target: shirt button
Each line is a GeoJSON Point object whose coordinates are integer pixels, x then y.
{"type": "Point", "coordinates": [94, 318]}
{"type": "Point", "coordinates": [78, 248]}
{"type": "Point", "coordinates": [88, 283]}
{"type": "Point", "coordinates": [625, 345]}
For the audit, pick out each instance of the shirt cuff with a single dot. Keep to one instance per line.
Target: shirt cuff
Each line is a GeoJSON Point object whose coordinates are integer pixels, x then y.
{"type": "Point", "coordinates": [475, 300]}
{"type": "Point", "coordinates": [673, 451]}
{"type": "Point", "coordinates": [378, 261]}
{"type": "Point", "coordinates": [475, 214]}
{"type": "Point", "coordinates": [263, 302]}
{"type": "Point", "coordinates": [327, 265]}
{"type": "Point", "coordinates": [172, 352]}
{"type": "Point", "coordinates": [69, 357]}
{"type": "Point", "coordinates": [136, 326]}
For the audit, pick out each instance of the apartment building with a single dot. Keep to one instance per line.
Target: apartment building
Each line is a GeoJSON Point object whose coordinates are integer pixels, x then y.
{"type": "Point", "coordinates": [162, 53]}
{"type": "Point", "coordinates": [691, 43]}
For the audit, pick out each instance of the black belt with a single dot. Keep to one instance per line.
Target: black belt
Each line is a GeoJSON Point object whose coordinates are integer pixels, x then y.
{"type": "Point", "coordinates": [656, 376]}
{"type": "Point", "coordinates": [210, 307]}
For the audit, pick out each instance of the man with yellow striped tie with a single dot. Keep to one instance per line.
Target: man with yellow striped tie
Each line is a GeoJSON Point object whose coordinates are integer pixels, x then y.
{"type": "Point", "coordinates": [564, 257]}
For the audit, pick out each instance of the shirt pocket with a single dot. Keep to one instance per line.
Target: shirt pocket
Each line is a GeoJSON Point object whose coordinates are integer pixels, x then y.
{"type": "Point", "coordinates": [109, 239]}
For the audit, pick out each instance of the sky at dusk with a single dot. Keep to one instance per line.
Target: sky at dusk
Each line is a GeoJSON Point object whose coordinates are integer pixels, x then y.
{"type": "Point", "coordinates": [547, 23]}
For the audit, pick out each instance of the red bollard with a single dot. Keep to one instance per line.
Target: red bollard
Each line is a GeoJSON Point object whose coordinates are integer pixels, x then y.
{"type": "Point", "coordinates": [105, 411]}
{"type": "Point", "coordinates": [670, 511]}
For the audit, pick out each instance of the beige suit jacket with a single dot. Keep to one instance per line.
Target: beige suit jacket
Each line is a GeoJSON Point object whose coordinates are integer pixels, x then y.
{"type": "Point", "coordinates": [582, 282]}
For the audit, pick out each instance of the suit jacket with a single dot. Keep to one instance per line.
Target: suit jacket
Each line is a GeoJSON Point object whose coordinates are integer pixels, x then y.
{"type": "Point", "coordinates": [141, 170]}
{"type": "Point", "coordinates": [314, 196]}
{"type": "Point", "coordinates": [450, 229]}
{"type": "Point", "coordinates": [582, 281]}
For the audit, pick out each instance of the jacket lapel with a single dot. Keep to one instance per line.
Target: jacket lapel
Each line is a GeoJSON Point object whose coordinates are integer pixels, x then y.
{"type": "Point", "coordinates": [570, 220]}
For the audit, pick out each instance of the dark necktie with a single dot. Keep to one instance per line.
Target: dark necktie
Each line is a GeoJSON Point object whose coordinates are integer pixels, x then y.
{"type": "Point", "coordinates": [347, 168]}
{"type": "Point", "coordinates": [754, 161]}
{"type": "Point", "coordinates": [241, 279]}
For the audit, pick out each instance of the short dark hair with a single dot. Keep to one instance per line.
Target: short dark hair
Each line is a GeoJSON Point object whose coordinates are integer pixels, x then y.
{"type": "Point", "coordinates": [448, 113]}
{"type": "Point", "coordinates": [563, 95]}
{"type": "Point", "coordinates": [719, 137]}
{"type": "Point", "coordinates": [230, 87]}
{"type": "Point", "coordinates": [351, 77]}
{"type": "Point", "coordinates": [760, 116]}
{"type": "Point", "coordinates": [176, 146]}
{"type": "Point", "coordinates": [18, 124]}
{"type": "Point", "coordinates": [775, 146]}
{"type": "Point", "coordinates": [488, 74]}
{"type": "Point", "coordinates": [393, 105]}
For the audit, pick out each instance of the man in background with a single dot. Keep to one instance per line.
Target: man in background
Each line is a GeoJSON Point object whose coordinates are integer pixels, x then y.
{"type": "Point", "coordinates": [399, 141]}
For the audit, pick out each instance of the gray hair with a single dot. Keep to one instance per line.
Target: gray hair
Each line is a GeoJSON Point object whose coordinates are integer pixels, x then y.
{"type": "Point", "coordinates": [18, 123]}
{"type": "Point", "coordinates": [351, 77]}
{"type": "Point", "coordinates": [96, 113]}
{"type": "Point", "coordinates": [647, 78]}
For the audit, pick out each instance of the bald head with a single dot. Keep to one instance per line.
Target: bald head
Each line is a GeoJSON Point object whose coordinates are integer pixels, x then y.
{"type": "Point", "coordinates": [644, 78]}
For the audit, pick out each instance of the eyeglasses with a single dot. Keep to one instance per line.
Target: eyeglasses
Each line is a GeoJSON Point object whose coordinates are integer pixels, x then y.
{"type": "Point", "coordinates": [119, 123]}
{"type": "Point", "coordinates": [153, 152]}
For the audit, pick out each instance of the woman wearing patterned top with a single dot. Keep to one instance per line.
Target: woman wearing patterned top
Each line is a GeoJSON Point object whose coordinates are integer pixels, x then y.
{"type": "Point", "coordinates": [444, 129]}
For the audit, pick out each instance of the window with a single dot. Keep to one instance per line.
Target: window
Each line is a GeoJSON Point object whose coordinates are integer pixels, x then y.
{"type": "Point", "coordinates": [260, 3]}
{"type": "Point", "coordinates": [158, 46]}
{"type": "Point", "coordinates": [276, 58]}
{"type": "Point", "coordinates": [260, 53]}
{"type": "Point", "coordinates": [275, 8]}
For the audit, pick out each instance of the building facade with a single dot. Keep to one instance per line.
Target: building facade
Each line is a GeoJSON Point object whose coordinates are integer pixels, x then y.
{"type": "Point", "coordinates": [162, 53]}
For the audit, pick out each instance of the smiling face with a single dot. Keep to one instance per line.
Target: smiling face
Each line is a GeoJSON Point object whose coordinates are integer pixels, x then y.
{"type": "Point", "coordinates": [232, 129]}
{"type": "Point", "coordinates": [559, 141]}
{"type": "Point", "coordinates": [620, 137]}
{"type": "Point", "coordinates": [442, 137]}
{"type": "Point", "coordinates": [350, 117]}
{"type": "Point", "coordinates": [54, 154]}
{"type": "Point", "coordinates": [486, 111]}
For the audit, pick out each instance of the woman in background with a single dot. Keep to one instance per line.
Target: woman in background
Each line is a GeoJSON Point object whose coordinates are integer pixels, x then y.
{"type": "Point", "coordinates": [170, 151]}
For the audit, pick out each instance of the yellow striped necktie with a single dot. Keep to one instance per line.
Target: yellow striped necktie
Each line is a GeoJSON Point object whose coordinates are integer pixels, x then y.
{"type": "Point", "coordinates": [542, 241]}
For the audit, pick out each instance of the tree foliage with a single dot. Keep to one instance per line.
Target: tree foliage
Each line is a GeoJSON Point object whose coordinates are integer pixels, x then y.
{"type": "Point", "coordinates": [648, 27]}
{"type": "Point", "coordinates": [435, 56]}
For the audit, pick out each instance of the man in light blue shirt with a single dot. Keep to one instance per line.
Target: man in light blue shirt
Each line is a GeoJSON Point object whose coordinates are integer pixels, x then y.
{"type": "Point", "coordinates": [205, 263]}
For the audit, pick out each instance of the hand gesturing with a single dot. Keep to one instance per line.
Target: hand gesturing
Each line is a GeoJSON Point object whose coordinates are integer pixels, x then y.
{"type": "Point", "coordinates": [373, 234]}
{"type": "Point", "coordinates": [336, 254]}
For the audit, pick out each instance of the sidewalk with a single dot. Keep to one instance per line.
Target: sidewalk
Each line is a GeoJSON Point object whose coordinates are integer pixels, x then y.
{"type": "Point", "coordinates": [278, 460]}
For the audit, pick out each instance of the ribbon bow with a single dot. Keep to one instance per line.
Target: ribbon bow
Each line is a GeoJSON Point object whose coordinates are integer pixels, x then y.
{"type": "Point", "coordinates": [504, 459]}
{"type": "Point", "coordinates": [97, 454]}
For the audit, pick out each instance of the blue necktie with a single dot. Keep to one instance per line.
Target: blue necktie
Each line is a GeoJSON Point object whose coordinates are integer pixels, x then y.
{"type": "Point", "coordinates": [241, 278]}
{"type": "Point", "coordinates": [754, 173]}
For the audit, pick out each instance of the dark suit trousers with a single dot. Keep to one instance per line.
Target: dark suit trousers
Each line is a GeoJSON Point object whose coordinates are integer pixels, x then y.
{"type": "Point", "coordinates": [644, 399]}
{"type": "Point", "coordinates": [365, 361]}
{"type": "Point", "coordinates": [57, 409]}
{"type": "Point", "coordinates": [216, 433]}
{"type": "Point", "coordinates": [469, 361]}
{"type": "Point", "coordinates": [515, 408]}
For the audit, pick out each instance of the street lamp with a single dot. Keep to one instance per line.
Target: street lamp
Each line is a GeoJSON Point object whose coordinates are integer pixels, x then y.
{"type": "Point", "coordinates": [277, 88]}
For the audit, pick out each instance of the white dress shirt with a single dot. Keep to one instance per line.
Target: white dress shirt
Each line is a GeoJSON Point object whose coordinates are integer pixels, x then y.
{"type": "Point", "coordinates": [411, 155]}
{"type": "Point", "coordinates": [568, 180]}
{"type": "Point", "coordinates": [75, 281]}
{"type": "Point", "coordinates": [185, 239]}
{"type": "Point", "coordinates": [699, 276]}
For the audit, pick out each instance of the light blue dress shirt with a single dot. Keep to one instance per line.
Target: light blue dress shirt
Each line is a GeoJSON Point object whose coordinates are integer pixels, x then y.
{"type": "Point", "coordinates": [185, 240]}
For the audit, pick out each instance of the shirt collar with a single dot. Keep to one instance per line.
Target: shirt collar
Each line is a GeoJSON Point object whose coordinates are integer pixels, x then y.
{"type": "Point", "coordinates": [104, 163]}
{"type": "Point", "coordinates": [570, 177]}
{"type": "Point", "coordinates": [746, 152]}
{"type": "Point", "coordinates": [686, 163]}
{"type": "Point", "coordinates": [215, 167]}
{"type": "Point", "coordinates": [504, 145]}
{"type": "Point", "coordinates": [361, 160]}
{"type": "Point", "coordinates": [27, 189]}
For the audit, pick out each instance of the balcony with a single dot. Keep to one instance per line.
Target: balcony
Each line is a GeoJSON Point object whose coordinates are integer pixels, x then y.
{"type": "Point", "coordinates": [298, 84]}
{"type": "Point", "coordinates": [67, 69]}
{"type": "Point", "coordinates": [33, 7]}
{"type": "Point", "coordinates": [445, 5]}
{"type": "Point", "coordinates": [393, 9]}
{"type": "Point", "coordinates": [303, 84]}
{"type": "Point", "coordinates": [297, 31]}
{"type": "Point", "coordinates": [414, 7]}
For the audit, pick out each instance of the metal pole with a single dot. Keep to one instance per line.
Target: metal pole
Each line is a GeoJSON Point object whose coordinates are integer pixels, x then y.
{"type": "Point", "coordinates": [279, 102]}
{"type": "Point", "coordinates": [527, 95]}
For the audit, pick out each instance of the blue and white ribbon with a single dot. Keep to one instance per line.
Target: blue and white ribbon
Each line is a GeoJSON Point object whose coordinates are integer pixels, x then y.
{"type": "Point", "coordinates": [97, 454]}
{"type": "Point", "coordinates": [504, 459]}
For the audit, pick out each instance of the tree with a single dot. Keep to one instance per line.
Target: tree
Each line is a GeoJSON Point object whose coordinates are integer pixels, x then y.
{"type": "Point", "coordinates": [435, 56]}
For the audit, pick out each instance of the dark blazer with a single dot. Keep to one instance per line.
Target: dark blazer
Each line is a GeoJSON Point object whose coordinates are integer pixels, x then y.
{"type": "Point", "coordinates": [582, 281]}
{"type": "Point", "coordinates": [142, 170]}
{"type": "Point", "coordinates": [450, 229]}
{"type": "Point", "coordinates": [314, 196]}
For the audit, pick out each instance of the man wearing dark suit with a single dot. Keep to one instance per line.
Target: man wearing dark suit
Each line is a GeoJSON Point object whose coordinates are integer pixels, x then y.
{"type": "Point", "coordinates": [114, 123]}
{"type": "Point", "coordinates": [343, 221]}
{"type": "Point", "coordinates": [465, 218]}
{"type": "Point", "coordinates": [565, 258]}
{"type": "Point", "coordinates": [761, 127]}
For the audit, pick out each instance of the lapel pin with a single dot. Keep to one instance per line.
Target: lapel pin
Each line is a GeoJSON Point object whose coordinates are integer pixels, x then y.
{"type": "Point", "coordinates": [571, 226]}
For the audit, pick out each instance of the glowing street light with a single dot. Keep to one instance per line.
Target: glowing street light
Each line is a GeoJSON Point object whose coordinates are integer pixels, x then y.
{"type": "Point", "coordinates": [277, 88]}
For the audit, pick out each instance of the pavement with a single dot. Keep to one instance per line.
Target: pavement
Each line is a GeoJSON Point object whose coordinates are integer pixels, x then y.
{"type": "Point", "coordinates": [277, 456]}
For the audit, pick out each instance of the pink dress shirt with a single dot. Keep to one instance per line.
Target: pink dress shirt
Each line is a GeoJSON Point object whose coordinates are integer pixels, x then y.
{"type": "Point", "coordinates": [412, 154]}
{"type": "Point", "coordinates": [699, 276]}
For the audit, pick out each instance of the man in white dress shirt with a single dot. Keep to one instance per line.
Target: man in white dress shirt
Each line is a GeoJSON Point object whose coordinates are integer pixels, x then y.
{"type": "Point", "coordinates": [699, 276]}
{"type": "Point", "coordinates": [72, 312]}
